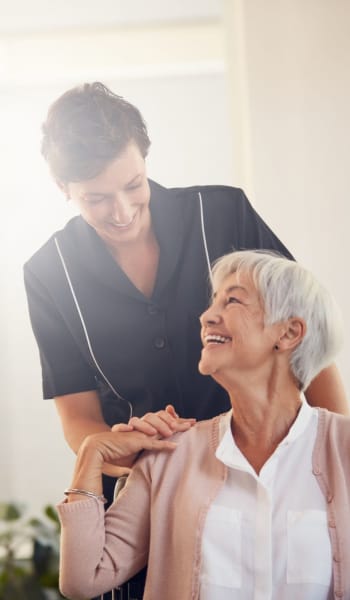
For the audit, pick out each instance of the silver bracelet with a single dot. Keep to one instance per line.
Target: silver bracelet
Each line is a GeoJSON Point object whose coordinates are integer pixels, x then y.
{"type": "Point", "coordinates": [85, 493]}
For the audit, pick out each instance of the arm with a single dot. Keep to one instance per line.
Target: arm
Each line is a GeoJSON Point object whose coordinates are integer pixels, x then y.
{"type": "Point", "coordinates": [100, 551]}
{"type": "Point", "coordinates": [81, 416]}
{"type": "Point", "coordinates": [327, 391]}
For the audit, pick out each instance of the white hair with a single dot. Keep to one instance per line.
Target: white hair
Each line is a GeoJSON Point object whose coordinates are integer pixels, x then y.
{"type": "Point", "coordinates": [289, 290]}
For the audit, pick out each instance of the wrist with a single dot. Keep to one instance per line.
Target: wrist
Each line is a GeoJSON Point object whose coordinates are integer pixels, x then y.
{"type": "Point", "coordinates": [88, 469]}
{"type": "Point", "coordinates": [77, 493]}
{"type": "Point", "coordinates": [90, 454]}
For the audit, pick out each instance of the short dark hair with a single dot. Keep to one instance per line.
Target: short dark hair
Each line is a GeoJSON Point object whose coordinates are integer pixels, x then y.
{"type": "Point", "coordinates": [86, 128]}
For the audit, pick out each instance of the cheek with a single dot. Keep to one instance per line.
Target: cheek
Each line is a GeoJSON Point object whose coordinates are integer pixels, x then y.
{"type": "Point", "coordinates": [144, 194]}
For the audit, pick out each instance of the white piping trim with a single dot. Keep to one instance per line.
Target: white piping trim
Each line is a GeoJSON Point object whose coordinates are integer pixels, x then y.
{"type": "Point", "coordinates": [205, 238]}
{"type": "Point", "coordinates": [85, 329]}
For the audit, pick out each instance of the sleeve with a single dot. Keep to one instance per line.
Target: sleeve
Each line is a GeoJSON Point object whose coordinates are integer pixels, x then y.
{"type": "Point", "coordinates": [255, 233]}
{"type": "Point", "coordinates": [231, 223]}
{"type": "Point", "coordinates": [64, 368]}
{"type": "Point", "coordinates": [99, 550]}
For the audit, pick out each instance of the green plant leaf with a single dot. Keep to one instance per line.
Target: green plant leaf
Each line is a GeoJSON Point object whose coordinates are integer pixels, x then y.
{"type": "Point", "coordinates": [9, 511]}
{"type": "Point", "coordinates": [51, 514]}
{"type": "Point", "coordinates": [29, 554]}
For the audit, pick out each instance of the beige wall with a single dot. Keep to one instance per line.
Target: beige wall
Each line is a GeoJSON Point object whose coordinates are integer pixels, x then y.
{"type": "Point", "coordinates": [290, 95]}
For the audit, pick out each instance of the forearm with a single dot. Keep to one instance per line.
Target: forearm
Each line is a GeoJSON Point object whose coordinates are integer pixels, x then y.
{"type": "Point", "coordinates": [88, 471]}
{"type": "Point", "coordinates": [80, 429]}
{"type": "Point", "coordinates": [82, 546]}
{"type": "Point", "coordinates": [327, 391]}
{"type": "Point", "coordinates": [90, 539]}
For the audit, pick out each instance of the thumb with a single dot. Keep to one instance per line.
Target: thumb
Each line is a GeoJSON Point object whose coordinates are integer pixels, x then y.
{"type": "Point", "coordinates": [122, 427]}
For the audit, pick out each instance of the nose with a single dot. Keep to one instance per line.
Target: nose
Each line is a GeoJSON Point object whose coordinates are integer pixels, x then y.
{"type": "Point", "coordinates": [122, 210]}
{"type": "Point", "coordinates": [210, 316]}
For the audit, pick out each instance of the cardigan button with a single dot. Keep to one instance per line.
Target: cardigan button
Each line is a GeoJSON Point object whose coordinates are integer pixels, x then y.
{"type": "Point", "coordinates": [152, 310]}
{"type": "Point", "coordinates": [159, 343]}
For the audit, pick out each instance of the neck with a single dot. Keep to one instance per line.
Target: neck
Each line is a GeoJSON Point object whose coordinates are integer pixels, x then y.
{"type": "Point", "coordinates": [263, 413]}
{"type": "Point", "coordinates": [268, 421]}
{"type": "Point", "coordinates": [143, 243]}
{"type": "Point", "coordinates": [139, 261]}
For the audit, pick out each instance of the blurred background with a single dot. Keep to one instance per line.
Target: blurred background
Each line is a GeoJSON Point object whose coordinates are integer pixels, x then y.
{"type": "Point", "coordinates": [241, 92]}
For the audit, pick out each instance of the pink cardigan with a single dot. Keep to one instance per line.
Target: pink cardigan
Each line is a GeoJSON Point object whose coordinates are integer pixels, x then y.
{"type": "Point", "coordinates": [159, 517]}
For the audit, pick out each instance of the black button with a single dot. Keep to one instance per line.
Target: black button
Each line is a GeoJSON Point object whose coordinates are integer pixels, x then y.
{"type": "Point", "coordinates": [159, 342]}
{"type": "Point", "coordinates": [152, 310]}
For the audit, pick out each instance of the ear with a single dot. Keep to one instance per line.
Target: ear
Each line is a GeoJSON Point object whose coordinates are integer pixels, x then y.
{"type": "Point", "coordinates": [293, 332]}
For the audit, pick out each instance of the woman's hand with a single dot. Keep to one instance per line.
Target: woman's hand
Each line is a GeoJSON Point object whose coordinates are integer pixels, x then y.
{"type": "Point", "coordinates": [161, 424]}
{"type": "Point", "coordinates": [123, 442]}
{"type": "Point", "coordinates": [117, 446]}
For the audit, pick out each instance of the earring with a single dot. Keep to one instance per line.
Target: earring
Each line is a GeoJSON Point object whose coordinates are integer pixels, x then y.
{"type": "Point", "coordinates": [276, 347]}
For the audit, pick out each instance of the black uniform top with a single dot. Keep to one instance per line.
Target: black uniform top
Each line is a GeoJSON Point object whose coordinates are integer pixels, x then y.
{"type": "Point", "coordinates": [148, 348]}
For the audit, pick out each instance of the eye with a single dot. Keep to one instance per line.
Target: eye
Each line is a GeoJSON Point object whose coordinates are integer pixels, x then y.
{"type": "Point", "coordinates": [95, 200]}
{"type": "Point", "coordinates": [135, 186]}
{"type": "Point", "coordinates": [233, 300]}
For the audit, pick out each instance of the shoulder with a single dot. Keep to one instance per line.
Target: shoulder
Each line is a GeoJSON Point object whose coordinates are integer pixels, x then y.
{"type": "Point", "coordinates": [207, 192]}
{"type": "Point", "coordinates": [43, 259]}
{"type": "Point", "coordinates": [332, 420]}
{"type": "Point", "coordinates": [203, 436]}
{"type": "Point", "coordinates": [334, 431]}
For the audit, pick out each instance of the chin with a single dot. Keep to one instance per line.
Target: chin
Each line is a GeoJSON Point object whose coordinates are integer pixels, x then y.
{"type": "Point", "coordinates": [205, 369]}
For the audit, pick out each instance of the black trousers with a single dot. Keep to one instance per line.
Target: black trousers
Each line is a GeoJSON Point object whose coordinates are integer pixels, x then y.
{"type": "Point", "coordinates": [131, 590]}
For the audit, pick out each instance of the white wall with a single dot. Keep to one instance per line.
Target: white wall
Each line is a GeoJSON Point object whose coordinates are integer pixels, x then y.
{"type": "Point", "coordinates": [38, 464]}
{"type": "Point", "coordinates": [294, 82]}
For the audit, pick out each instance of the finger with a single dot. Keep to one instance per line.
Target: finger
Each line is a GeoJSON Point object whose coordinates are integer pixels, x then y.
{"type": "Point", "coordinates": [175, 423]}
{"type": "Point", "coordinates": [165, 424]}
{"type": "Point", "coordinates": [143, 426]}
{"type": "Point", "coordinates": [182, 425]}
{"type": "Point", "coordinates": [115, 470]}
{"type": "Point", "coordinates": [154, 444]}
{"type": "Point", "coordinates": [171, 411]}
{"type": "Point", "coordinates": [161, 421]}
{"type": "Point", "coordinates": [122, 427]}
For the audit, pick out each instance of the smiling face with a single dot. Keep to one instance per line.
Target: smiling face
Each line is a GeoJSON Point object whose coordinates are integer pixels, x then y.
{"type": "Point", "coordinates": [116, 202]}
{"type": "Point", "coordinates": [234, 336]}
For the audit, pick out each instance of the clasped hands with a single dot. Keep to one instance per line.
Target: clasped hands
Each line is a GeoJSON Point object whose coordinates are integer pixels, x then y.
{"type": "Point", "coordinates": [119, 448]}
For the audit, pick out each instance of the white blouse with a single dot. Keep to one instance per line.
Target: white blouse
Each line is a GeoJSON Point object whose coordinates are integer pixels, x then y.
{"type": "Point", "coordinates": [266, 535]}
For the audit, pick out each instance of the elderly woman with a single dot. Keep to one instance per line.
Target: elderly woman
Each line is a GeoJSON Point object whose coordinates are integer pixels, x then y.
{"type": "Point", "coordinates": [251, 504]}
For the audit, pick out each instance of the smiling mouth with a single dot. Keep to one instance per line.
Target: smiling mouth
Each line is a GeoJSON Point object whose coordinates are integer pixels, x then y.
{"type": "Point", "coordinates": [124, 225]}
{"type": "Point", "coordinates": [216, 339]}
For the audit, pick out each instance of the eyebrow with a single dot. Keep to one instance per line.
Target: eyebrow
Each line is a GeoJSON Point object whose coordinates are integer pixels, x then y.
{"type": "Point", "coordinates": [231, 288]}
